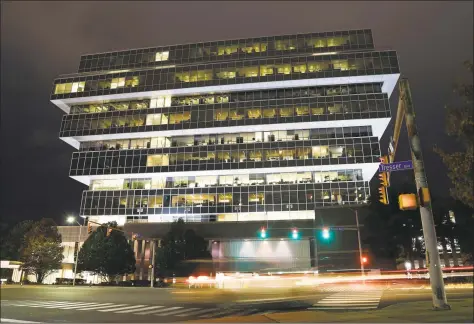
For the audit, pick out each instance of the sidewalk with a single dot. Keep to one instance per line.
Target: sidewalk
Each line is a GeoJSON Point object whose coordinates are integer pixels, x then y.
{"type": "Point", "coordinates": [413, 312]}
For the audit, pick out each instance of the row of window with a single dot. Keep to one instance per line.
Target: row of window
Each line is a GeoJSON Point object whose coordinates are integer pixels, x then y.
{"type": "Point", "coordinates": [231, 116]}
{"type": "Point", "coordinates": [228, 180]}
{"type": "Point", "coordinates": [266, 199]}
{"type": "Point", "coordinates": [243, 48]}
{"type": "Point", "coordinates": [239, 138]}
{"type": "Point", "coordinates": [226, 160]}
{"type": "Point", "coordinates": [206, 99]}
{"type": "Point", "coordinates": [256, 71]}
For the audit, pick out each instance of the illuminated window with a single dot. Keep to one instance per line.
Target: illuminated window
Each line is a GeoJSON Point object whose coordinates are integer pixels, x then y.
{"type": "Point", "coordinates": [248, 72]}
{"type": "Point", "coordinates": [266, 70]}
{"type": "Point", "coordinates": [162, 56]}
{"type": "Point", "coordinates": [60, 88]}
{"type": "Point", "coordinates": [226, 74]}
{"type": "Point", "coordinates": [302, 111]}
{"type": "Point", "coordinates": [117, 82]}
{"type": "Point", "coordinates": [299, 68]}
{"type": "Point", "coordinates": [157, 160]}
{"type": "Point", "coordinates": [284, 69]}
{"type": "Point", "coordinates": [156, 202]}
{"type": "Point", "coordinates": [257, 198]}
{"type": "Point", "coordinates": [337, 41]}
{"type": "Point", "coordinates": [320, 152]}
{"type": "Point", "coordinates": [78, 86]}
{"type": "Point", "coordinates": [318, 66]}
{"type": "Point", "coordinates": [342, 65]}
{"type": "Point", "coordinates": [132, 81]}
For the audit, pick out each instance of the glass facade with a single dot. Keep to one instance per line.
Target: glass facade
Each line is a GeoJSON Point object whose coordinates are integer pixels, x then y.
{"type": "Point", "coordinates": [264, 148]}
{"type": "Point", "coordinates": [237, 49]}
{"type": "Point", "coordinates": [230, 73]}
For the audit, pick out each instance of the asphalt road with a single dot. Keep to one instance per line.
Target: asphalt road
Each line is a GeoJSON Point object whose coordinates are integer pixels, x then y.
{"type": "Point", "coordinates": [54, 304]}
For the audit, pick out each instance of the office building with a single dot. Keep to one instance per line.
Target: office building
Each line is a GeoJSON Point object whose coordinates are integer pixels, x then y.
{"type": "Point", "coordinates": [254, 132]}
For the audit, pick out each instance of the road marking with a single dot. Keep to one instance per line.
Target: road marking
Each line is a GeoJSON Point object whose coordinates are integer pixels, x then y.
{"type": "Point", "coordinates": [42, 304]}
{"type": "Point", "coordinates": [350, 301]}
{"type": "Point", "coordinates": [62, 305]}
{"type": "Point", "coordinates": [166, 310]}
{"type": "Point", "coordinates": [202, 311]}
{"type": "Point", "coordinates": [99, 307]}
{"type": "Point", "coordinates": [151, 312]}
{"type": "Point", "coordinates": [9, 320]}
{"type": "Point", "coordinates": [117, 308]}
{"type": "Point", "coordinates": [274, 299]}
{"type": "Point", "coordinates": [136, 310]}
{"type": "Point", "coordinates": [79, 305]}
{"type": "Point", "coordinates": [179, 311]}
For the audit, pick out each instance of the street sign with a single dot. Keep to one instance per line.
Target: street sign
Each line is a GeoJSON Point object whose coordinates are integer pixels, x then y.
{"type": "Point", "coordinates": [396, 166]}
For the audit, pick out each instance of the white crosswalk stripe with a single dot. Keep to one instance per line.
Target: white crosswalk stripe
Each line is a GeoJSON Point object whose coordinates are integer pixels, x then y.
{"type": "Point", "coordinates": [112, 308]}
{"type": "Point", "coordinates": [151, 312]}
{"type": "Point", "coordinates": [357, 300]}
{"type": "Point", "coordinates": [79, 305]}
{"type": "Point", "coordinates": [100, 306]}
{"type": "Point", "coordinates": [116, 309]}
{"type": "Point", "coordinates": [166, 309]}
{"type": "Point", "coordinates": [179, 311]}
{"type": "Point", "coordinates": [202, 311]}
{"type": "Point", "coordinates": [145, 308]}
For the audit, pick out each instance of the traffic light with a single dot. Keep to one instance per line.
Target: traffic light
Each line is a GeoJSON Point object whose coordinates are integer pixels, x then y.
{"type": "Point", "coordinates": [424, 195]}
{"type": "Point", "coordinates": [326, 233]}
{"type": "Point", "coordinates": [89, 228]}
{"type": "Point", "coordinates": [295, 234]}
{"type": "Point", "coordinates": [263, 233]}
{"type": "Point", "coordinates": [383, 197]}
{"type": "Point", "coordinates": [383, 177]}
{"type": "Point", "coordinates": [407, 202]}
{"type": "Point", "coordinates": [134, 236]}
{"type": "Point", "coordinates": [384, 159]}
{"type": "Point", "coordinates": [109, 231]}
{"type": "Point", "coordinates": [364, 260]}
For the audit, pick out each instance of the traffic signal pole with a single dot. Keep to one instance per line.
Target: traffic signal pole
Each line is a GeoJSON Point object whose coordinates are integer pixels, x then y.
{"type": "Point", "coordinates": [362, 270]}
{"type": "Point", "coordinates": [432, 255]}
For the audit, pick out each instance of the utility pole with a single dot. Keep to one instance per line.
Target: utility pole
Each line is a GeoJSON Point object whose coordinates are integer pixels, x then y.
{"type": "Point", "coordinates": [432, 255]}
{"type": "Point", "coordinates": [153, 251]}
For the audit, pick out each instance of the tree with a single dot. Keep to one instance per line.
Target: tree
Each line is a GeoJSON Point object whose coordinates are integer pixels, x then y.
{"type": "Point", "coordinates": [177, 248]}
{"type": "Point", "coordinates": [41, 251]}
{"type": "Point", "coordinates": [460, 125]}
{"type": "Point", "coordinates": [107, 256]}
{"type": "Point", "coordinates": [13, 242]}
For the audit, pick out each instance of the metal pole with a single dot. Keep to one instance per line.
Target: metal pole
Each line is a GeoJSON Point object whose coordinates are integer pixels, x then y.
{"type": "Point", "coordinates": [432, 255]}
{"type": "Point", "coordinates": [77, 255]}
{"type": "Point", "coordinates": [362, 270]}
{"type": "Point", "coordinates": [153, 249]}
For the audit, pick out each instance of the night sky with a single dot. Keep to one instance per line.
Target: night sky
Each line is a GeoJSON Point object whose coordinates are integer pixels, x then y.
{"type": "Point", "coordinates": [41, 40]}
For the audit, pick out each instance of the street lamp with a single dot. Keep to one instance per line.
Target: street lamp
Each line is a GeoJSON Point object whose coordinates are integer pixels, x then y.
{"type": "Point", "coordinates": [71, 220]}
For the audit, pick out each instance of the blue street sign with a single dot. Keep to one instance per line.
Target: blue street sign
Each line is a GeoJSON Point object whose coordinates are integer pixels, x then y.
{"type": "Point", "coordinates": [396, 166]}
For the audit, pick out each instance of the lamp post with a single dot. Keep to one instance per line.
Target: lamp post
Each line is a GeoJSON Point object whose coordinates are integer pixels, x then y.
{"type": "Point", "coordinates": [70, 220]}
{"type": "Point", "coordinates": [362, 270]}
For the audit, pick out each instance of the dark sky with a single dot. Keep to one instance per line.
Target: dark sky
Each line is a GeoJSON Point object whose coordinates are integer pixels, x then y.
{"type": "Point", "coordinates": [40, 40]}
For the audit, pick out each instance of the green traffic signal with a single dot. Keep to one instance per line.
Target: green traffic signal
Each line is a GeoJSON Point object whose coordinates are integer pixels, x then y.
{"type": "Point", "coordinates": [326, 235]}
{"type": "Point", "coordinates": [294, 234]}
